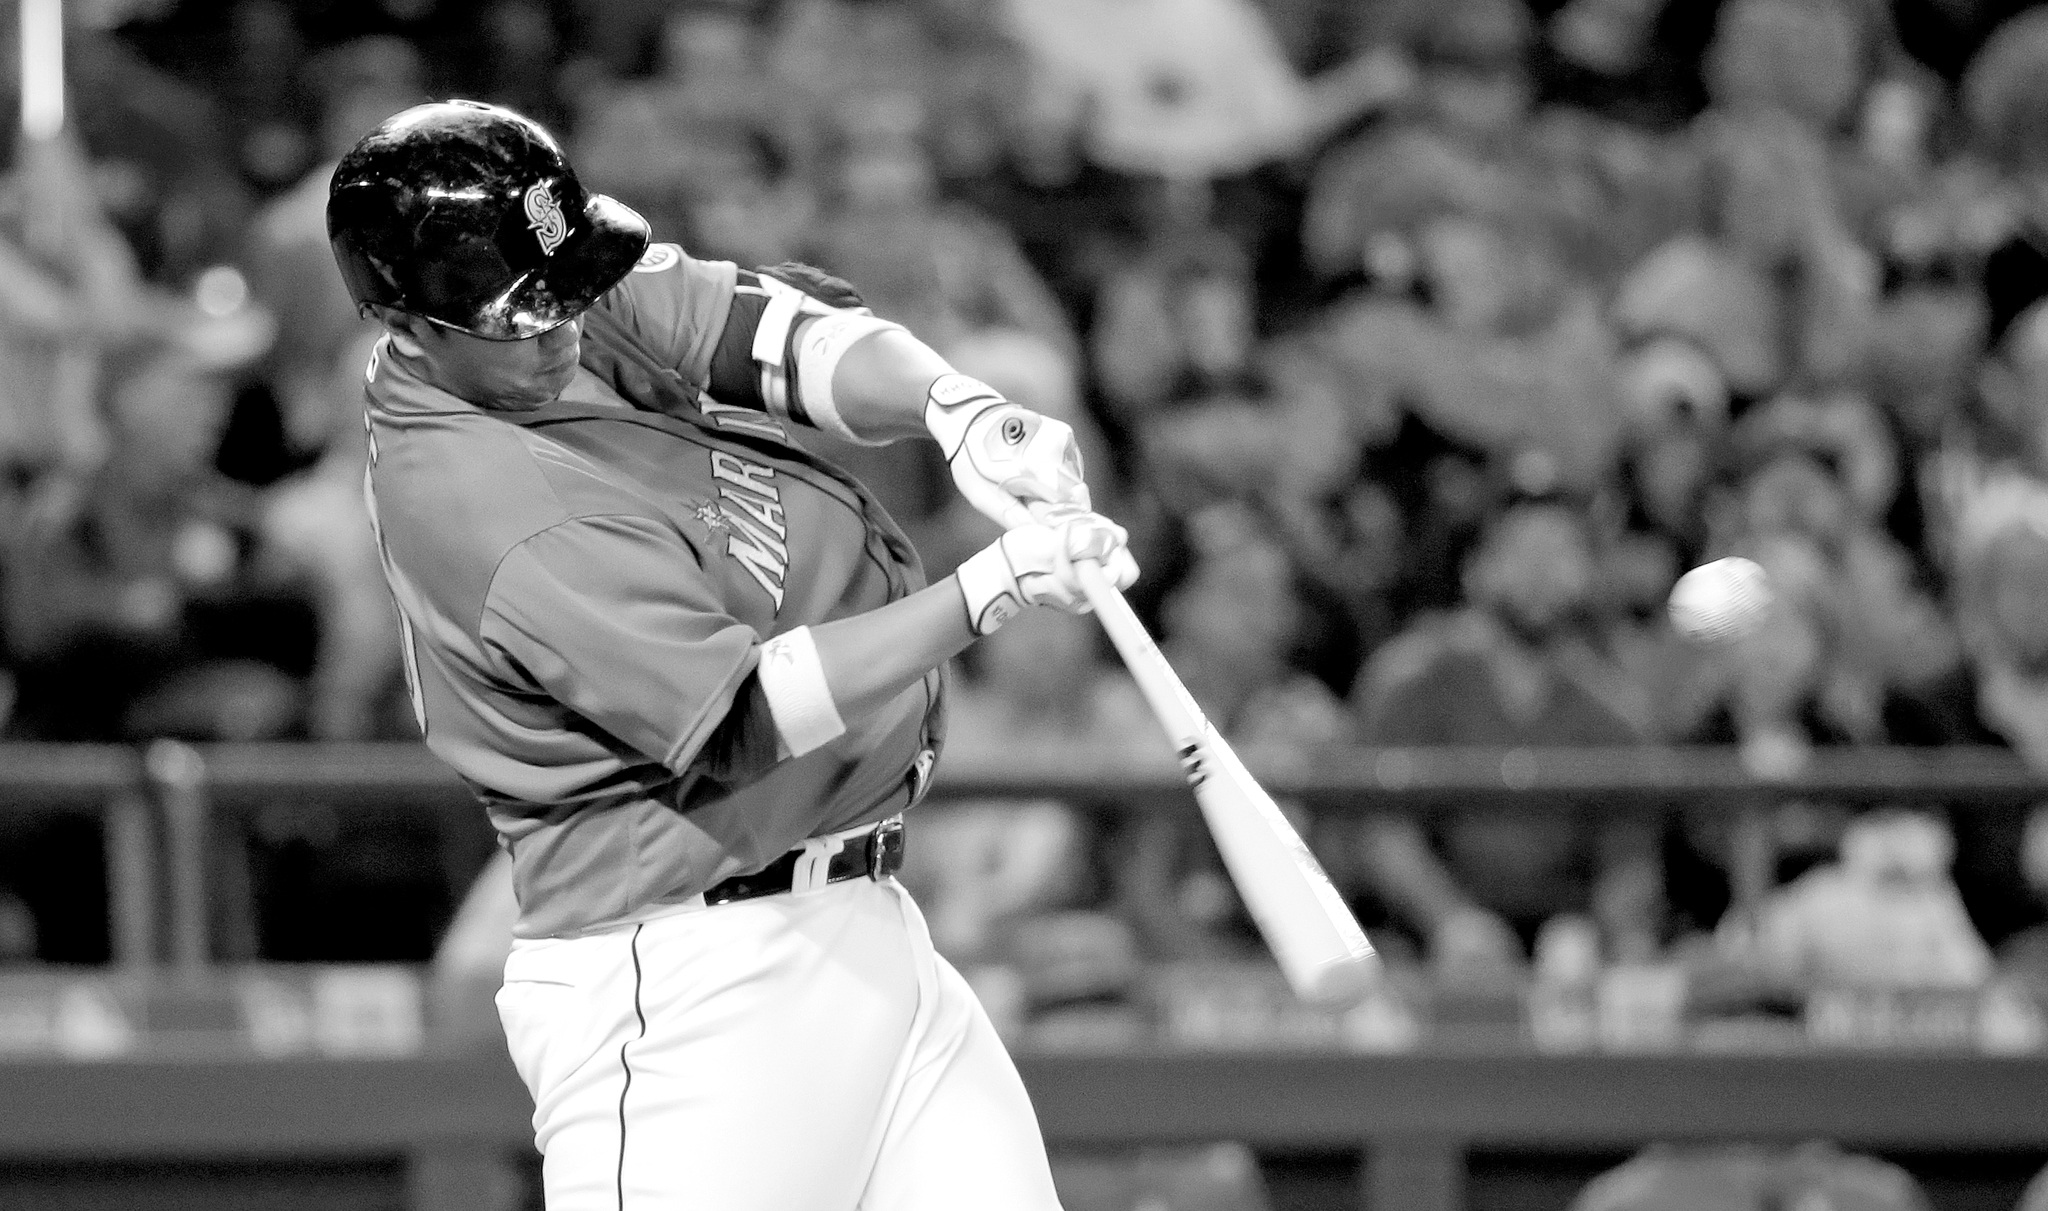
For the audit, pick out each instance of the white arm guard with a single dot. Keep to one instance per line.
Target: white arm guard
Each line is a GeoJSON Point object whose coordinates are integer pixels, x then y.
{"type": "Point", "coordinates": [803, 392]}
{"type": "Point", "coordinates": [793, 679]}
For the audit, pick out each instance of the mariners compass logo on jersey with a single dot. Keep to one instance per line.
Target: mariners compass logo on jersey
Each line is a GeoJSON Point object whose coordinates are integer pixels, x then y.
{"type": "Point", "coordinates": [712, 517]}
{"type": "Point", "coordinates": [544, 216]}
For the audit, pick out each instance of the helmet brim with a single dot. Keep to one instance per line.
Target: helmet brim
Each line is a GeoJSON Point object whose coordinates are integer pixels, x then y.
{"type": "Point", "coordinates": [601, 250]}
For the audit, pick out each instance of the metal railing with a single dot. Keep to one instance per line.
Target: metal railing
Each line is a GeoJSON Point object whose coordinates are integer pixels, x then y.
{"type": "Point", "coordinates": [160, 804]}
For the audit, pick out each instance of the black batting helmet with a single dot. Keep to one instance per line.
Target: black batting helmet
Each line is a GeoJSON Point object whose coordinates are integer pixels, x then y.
{"type": "Point", "coordinates": [469, 216]}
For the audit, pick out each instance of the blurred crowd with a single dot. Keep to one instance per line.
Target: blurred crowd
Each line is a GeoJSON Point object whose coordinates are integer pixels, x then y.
{"type": "Point", "coordinates": [1421, 343]}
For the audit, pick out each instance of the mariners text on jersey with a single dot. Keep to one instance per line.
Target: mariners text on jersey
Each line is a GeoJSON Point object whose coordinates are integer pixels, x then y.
{"type": "Point", "coordinates": [754, 508]}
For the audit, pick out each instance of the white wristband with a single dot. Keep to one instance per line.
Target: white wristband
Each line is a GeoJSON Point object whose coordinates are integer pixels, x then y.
{"type": "Point", "coordinates": [818, 350]}
{"type": "Point", "coordinates": [989, 586]}
{"type": "Point", "coordinates": [951, 403]}
{"type": "Point", "coordinates": [794, 680]}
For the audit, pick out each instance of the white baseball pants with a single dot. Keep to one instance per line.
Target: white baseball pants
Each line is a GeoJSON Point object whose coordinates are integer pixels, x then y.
{"type": "Point", "coordinates": [796, 1052]}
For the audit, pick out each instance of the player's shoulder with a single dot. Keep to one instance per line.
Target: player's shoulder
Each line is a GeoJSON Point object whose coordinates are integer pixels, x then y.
{"type": "Point", "coordinates": [481, 484]}
{"type": "Point", "coordinates": [667, 274]}
{"type": "Point", "coordinates": [459, 498]}
{"type": "Point", "coordinates": [671, 304]}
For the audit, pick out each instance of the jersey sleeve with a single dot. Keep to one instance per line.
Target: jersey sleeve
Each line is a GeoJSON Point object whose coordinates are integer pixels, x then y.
{"type": "Point", "coordinates": [610, 617]}
{"type": "Point", "coordinates": [754, 362]}
{"type": "Point", "coordinates": [725, 333]}
{"type": "Point", "coordinates": [675, 306]}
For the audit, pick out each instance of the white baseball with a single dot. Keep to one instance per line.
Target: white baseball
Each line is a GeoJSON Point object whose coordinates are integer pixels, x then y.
{"type": "Point", "coordinates": [1720, 601]}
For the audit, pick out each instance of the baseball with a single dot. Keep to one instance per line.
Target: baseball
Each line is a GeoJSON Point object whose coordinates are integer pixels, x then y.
{"type": "Point", "coordinates": [1720, 601]}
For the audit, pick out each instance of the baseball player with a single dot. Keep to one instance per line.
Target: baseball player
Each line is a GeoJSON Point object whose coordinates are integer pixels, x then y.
{"type": "Point", "coordinates": [694, 674]}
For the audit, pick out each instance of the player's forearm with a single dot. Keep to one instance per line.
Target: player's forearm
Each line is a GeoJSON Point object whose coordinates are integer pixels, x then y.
{"type": "Point", "coordinates": [817, 678]}
{"type": "Point", "coordinates": [880, 385]}
{"type": "Point", "coordinates": [872, 657]}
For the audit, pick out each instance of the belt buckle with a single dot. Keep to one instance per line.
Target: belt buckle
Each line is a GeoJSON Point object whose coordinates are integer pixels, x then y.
{"type": "Point", "coordinates": [885, 848]}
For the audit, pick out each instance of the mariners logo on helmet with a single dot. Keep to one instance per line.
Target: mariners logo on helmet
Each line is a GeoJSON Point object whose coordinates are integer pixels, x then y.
{"type": "Point", "coordinates": [544, 215]}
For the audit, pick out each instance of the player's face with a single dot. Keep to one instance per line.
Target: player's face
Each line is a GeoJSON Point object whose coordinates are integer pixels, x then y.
{"type": "Point", "coordinates": [501, 374]}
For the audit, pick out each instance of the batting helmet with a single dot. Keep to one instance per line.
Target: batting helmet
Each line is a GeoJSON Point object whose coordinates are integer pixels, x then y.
{"type": "Point", "coordinates": [469, 216]}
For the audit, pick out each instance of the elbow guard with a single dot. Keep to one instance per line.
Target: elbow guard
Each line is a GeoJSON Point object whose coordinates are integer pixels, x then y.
{"type": "Point", "coordinates": [796, 371]}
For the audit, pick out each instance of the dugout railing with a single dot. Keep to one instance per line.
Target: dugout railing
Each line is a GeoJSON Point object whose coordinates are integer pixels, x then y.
{"type": "Point", "coordinates": [455, 1124]}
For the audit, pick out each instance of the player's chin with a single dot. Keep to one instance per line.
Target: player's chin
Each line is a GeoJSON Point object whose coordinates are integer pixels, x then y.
{"type": "Point", "coordinates": [547, 381]}
{"type": "Point", "coordinates": [527, 388]}
{"type": "Point", "coordinates": [556, 374]}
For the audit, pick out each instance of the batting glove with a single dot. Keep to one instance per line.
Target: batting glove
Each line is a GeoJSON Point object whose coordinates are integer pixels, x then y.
{"type": "Point", "coordinates": [1004, 456]}
{"type": "Point", "coordinates": [1033, 565]}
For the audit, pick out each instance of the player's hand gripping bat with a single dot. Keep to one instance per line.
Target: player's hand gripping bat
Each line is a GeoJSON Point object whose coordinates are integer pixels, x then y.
{"type": "Point", "coordinates": [1321, 948]}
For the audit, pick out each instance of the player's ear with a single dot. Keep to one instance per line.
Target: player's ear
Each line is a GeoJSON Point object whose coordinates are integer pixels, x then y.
{"type": "Point", "coordinates": [400, 322]}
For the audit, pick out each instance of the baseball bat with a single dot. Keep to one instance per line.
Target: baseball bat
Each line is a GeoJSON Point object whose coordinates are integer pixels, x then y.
{"type": "Point", "coordinates": [1322, 951]}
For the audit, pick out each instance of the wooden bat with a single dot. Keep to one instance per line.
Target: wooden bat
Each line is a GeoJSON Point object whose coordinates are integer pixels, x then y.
{"type": "Point", "coordinates": [1322, 950]}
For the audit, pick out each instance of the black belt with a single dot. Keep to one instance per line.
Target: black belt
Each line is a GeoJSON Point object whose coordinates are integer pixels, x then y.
{"type": "Point", "coordinates": [871, 855]}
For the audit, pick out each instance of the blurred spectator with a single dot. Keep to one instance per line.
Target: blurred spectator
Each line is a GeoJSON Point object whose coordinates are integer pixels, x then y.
{"type": "Point", "coordinates": [1174, 322]}
{"type": "Point", "coordinates": [70, 291]}
{"type": "Point", "coordinates": [2006, 94]}
{"type": "Point", "coordinates": [2012, 394]}
{"type": "Point", "coordinates": [1998, 558]}
{"type": "Point", "coordinates": [1676, 403]}
{"type": "Point", "coordinates": [1696, 290]}
{"type": "Point", "coordinates": [1231, 628]}
{"type": "Point", "coordinates": [701, 146]}
{"type": "Point", "coordinates": [168, 167]}
{"type": "Point", "coordinates": [1925, 348]}
{"type": "Point", "coordinates": [1609, 37]}
{"type": "Point", "coordinates": [265, 92]}
{"type": "Point", "coordinates": [1748, 1178]}
{"type": "Point", "coordinates": [1886, 915]}
{"type": "Point", "coordinates": [61, 268]}
{"type": "Point", "coordinates": [2000, 566]}
{"type": "Point", "coordinates": [938, 267]}
{"type": "Point", "coordinates": [520, 51]}
{"type": "Point", "coordinates": [315, 538]}
{"type": "Point", "coordinates": [618, 38]}
{"type": "Point", "coordinates": [831, 58]}
{"type": "Point", "coordinates": [1286, 441]}
{"type": "Point", "coordinates": [1782, 75]}
{"type": "Point", "coordinates": [1854, 648]}
{"type": "Point", "coordinates": [134, 615]}
{"type": "Point", "coordinates": [1183, 91]}
{"type": "Point", "coordinates": [1455, 146]}
{"type": "Point", "coordinates": [1514, 667]}
{"type": "Point", "coordinates": [1802, 58]}
{"type": "Point", "coordinates": [312, 530]}
{"type": "Point", "coordinates": [290, 266]}
{"type": "Point", "coordinates": [1512, 359]}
